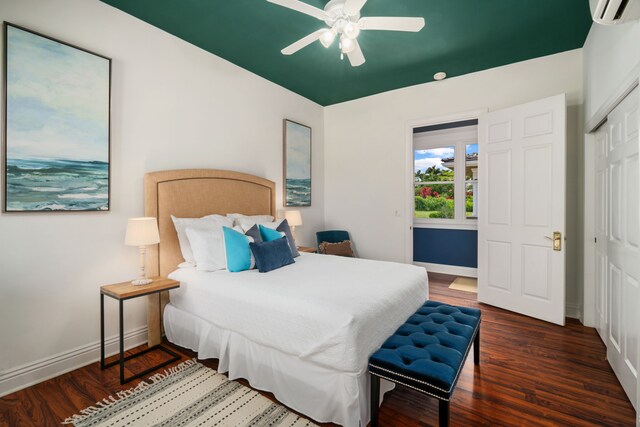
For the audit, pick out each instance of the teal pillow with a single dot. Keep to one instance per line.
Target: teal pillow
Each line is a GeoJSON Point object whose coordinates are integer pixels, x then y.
{"type": "Point", "coordinates": [236, 246]}
{"type": "Point", "coordinates": [269, 234]}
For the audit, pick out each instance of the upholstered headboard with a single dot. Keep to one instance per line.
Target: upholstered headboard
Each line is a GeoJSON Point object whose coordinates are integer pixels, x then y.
{"type": "Point", "coordinates": [193, 193]}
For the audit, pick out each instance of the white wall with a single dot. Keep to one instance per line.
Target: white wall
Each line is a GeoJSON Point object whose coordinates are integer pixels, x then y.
{"type": "Point", "coordinates": [611, 54]}
{"type": "Point", "coordinates": [365, 156]}
{"type": "Point", "coordinates": [173, 106]}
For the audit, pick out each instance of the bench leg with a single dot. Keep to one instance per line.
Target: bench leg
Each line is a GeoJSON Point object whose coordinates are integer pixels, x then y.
{"type": "Point", "coordinates": [375, 399]}
{"type": "Point", "coordinates": [476, 348]}
{"type": "Point", "coordinates": [443, 413]}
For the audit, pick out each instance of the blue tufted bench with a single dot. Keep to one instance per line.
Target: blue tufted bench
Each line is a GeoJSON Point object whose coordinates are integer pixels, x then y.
{"type": "Point", "coordinates": [427, 353]}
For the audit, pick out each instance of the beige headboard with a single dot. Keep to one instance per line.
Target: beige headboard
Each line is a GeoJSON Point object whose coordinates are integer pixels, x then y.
{"type": "Point", "coordinates": [193, 193]}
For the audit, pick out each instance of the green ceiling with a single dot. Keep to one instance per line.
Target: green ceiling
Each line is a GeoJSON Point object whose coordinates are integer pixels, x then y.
{"type": "Point", "coordinates": [460, 37]}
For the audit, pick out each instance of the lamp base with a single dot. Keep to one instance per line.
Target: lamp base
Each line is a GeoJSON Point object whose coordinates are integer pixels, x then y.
{"type": "Point", "coordinates": [140, 282]}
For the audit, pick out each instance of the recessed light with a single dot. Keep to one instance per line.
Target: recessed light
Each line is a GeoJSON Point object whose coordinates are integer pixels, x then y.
{"type": "Point", "coordinates": [440, 76]}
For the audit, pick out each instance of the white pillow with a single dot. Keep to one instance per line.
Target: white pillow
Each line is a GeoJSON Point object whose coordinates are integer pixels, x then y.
{"type": "Point", "coordinates": [247, 223]}
{"type": "Point", "coordinates": [207, 245]}
{"type": "Point", "coordinates": [207, 222]}
{"type": "Point", "coordinates": [235, 217]}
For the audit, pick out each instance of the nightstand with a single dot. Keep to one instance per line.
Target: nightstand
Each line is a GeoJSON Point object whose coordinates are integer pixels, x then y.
{"type": "Point", "coordinates": [122, 292]}
{"type": "Point", "coordinates": [307, 249]}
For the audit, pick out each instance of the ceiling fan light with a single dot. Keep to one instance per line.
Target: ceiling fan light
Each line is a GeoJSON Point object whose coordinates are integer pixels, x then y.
{"type": "Point", "coordinates": [347, 45]}
{"type": "Point", "coordinates": [351, 30]}
{"type": "Point", "coordinates": [327, 37]}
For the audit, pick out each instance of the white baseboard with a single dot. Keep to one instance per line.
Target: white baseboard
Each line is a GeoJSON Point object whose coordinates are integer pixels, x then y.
{"type": "Point", "coordinates": [453, 270]}
{"type": "Point", "coordinates": [26, 375]}
{"type": "Point", "coordinates": [574, 311]}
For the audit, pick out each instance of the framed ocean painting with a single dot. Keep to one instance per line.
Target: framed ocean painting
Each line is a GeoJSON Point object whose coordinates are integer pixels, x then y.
{"type": "Point", "coordinates": [297, 164]}
{"type": "Point", "coordinates": [56, 135]}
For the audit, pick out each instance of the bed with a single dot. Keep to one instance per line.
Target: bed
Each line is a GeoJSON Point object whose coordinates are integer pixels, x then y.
{"type": "Point", "coordinates": [303, 332]}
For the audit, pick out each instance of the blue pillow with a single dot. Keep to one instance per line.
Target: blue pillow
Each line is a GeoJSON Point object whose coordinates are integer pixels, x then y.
{"type": "Point", "coordinates": [269, 234]}
{"type": "Point", "coordinates": [272, 255]}
{"type": "Point", "coordinates": [236, 246]}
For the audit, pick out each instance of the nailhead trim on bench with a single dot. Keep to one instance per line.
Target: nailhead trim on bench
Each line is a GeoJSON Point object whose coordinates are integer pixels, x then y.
{"type": "Point", "coordinates": [407, 385]}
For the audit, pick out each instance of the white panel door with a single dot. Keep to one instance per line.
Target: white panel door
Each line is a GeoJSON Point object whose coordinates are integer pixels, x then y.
{"type": "Point", "coordinates": [522, 203]}
{"type": "Point", "coordinates": [623, 243]}
{"type": "Point", "coordinates": [601, 231]}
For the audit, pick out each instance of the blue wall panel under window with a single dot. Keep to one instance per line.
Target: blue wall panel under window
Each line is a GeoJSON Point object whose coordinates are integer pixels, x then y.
{"type": "Point", "coordinates": [443, 246]}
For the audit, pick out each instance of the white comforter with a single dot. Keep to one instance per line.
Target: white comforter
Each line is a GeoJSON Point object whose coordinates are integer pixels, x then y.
{"type": "Point", "coordinates": [330, 310]}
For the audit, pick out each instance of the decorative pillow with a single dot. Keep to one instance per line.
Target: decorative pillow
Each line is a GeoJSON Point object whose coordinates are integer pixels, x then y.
{"type": "Point", "coordinates": [236, 217]}
{"type": "Point", "coordinates": [247, 224]}
{"type": "Point", "coordinates": [254, 232]}
{"type": "Point", "coordinates": [272, 255]}
{"type": "Point", "coordinates": [284, 227]}
{"type": "Point", "coordinates": [208, 248]}
{"type": "Point", "coordinates": [237, 250]}
{"type": "Point", "coordinates": [340, 249]}
{"type": "Point", "coordinates": [269, 234]}
{"type": "Point", "coordinates": [210, 222]}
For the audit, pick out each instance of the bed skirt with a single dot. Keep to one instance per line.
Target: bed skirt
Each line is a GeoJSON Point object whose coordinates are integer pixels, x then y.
{"type": "Point", "coordinates": [315, 391]}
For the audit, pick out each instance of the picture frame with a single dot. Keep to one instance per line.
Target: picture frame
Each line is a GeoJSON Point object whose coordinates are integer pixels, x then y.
{"type": "Point", "coordinates": [296, 164]}
{"type": "Point", "coordinates": [56, 138]}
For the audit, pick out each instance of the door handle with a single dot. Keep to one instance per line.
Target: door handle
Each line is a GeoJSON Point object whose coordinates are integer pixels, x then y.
{"type": "Point", "coordinates": [556, 239]}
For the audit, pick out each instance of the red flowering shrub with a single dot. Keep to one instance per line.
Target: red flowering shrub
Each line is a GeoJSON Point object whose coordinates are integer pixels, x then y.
{"type": "Point", "coordinates": [425, 192]}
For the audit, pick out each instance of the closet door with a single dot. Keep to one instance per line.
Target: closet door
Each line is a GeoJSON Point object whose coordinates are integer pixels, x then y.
{"type": "Point", "coordinates": [623, 254]}
{"type": "Point", "coordinates": [601, 232]}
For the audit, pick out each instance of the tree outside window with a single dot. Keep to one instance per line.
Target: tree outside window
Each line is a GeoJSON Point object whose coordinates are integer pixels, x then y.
{"type": "Point", "coordinates": [434, 182]}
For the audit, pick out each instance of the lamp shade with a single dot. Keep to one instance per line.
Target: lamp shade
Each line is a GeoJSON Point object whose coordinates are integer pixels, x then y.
{"type": "Point", "coordinates": [142, 232]}
{"type": "Point", "coordinates": [293, 218]}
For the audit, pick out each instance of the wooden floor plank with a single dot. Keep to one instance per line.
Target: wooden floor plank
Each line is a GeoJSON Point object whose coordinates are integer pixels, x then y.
{"type": "Point", "coordinates": [532, 373]}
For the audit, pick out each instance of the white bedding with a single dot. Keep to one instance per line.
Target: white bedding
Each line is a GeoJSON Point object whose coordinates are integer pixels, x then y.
{"type": "Point", "coordinates": [330, 310]}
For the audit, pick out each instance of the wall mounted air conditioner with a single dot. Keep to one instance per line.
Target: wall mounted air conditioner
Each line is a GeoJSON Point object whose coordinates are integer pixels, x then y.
{"type": "Point", "coordinates": [610, 12]}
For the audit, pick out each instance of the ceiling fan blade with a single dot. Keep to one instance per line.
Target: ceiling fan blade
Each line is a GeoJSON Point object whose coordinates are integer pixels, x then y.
{"type": "Point", "coordinates": [302, 7]}
{"type": "Point", "coordinates": [391, 23]}
{"type": "Point", "coordinates": [303, 42]}
{"type": "Point", "coordinates": [356, 57]}
{"type": "Point", "coordinates": [352, 7]}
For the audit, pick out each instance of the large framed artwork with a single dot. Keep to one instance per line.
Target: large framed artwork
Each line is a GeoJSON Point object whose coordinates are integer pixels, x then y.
{"type": "Point", "coordinates": [56, 135]}
{"type": "Point", "coordinates": [297, 164]}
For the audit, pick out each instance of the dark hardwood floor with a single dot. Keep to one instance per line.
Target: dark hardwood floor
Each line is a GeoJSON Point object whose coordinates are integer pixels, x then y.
{"type": "Point", "coordinates": [532, 373]}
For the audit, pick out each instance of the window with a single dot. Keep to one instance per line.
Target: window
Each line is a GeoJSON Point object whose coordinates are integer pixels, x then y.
{"type": "Point", "coordinates": [446, 175]}
{"type": "Point", "coordinates": [434, 183]}
{"type": "Point", "coordinates": [471, 181]}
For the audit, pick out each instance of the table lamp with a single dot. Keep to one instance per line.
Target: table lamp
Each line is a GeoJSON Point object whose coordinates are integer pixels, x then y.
{"type": "Point", "coordinates": [142, 232]}
{"type": "Point", "coordinates": [294, 218]}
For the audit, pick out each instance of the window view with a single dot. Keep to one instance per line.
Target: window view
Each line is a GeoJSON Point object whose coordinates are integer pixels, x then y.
{"type": "Point", "coordinates": [434, 183]}
{"type": "Point", "coordinates": [471, 181]}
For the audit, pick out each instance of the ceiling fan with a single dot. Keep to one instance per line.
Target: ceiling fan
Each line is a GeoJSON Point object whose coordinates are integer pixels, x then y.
{"type": "Point", "coordinates": [344, 22]}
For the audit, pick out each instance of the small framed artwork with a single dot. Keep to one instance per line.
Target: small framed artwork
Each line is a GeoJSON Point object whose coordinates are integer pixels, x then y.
{"type": "Point", "coordinates": [56, 139]}
{"type": "Point", "coordinates": [297, 164]}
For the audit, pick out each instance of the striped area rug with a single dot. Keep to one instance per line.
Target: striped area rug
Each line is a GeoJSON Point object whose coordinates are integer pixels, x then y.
{"type": "Point", "coordinates": [189, 394]}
